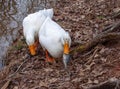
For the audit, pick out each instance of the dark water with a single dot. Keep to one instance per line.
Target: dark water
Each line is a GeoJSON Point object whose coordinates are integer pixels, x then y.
{"type": "Point", "coordinates": [12, 13]}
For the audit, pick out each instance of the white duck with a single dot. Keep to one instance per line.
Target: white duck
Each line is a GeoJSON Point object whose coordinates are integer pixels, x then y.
{"type": "Point", "coordinates": [54, 40]}
{"type": "Point", "coordinates": [31, 26]}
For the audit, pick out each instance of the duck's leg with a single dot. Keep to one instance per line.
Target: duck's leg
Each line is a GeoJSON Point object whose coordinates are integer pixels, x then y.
{"type": "Point", "coordinates": [36, 44]}
{"type": "Point", "coordinates": [49, 58]}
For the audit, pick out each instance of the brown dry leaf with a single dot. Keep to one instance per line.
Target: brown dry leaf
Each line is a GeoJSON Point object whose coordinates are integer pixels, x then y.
{"type": "Point", "coordinates": [6, 84]}
{"type": "Point", "coordinates": [116, 9]}
{"type": "Point", "coordinates": [81, 73]}
{"type": "Point", "coordinates": [76, 80]}
{"type": "Point", "coordinates": [15, 87]}
{"type": "Point", "coordinates": [96, 81]}
{"type": "Point", "coordinates": [52, 80]}
{"type": "Point", "coordinates": [43, 84]}
{"type": "Point", "coordinates": [102, 51]}
{"type": "Point", "coordinates": [89, 81]}
{"type": "Point", "coordinates": [48, 69]}
{"type": "Point", "coordinates": [96, 56]}
{"type": "Point", "coordinates": [81, 18]}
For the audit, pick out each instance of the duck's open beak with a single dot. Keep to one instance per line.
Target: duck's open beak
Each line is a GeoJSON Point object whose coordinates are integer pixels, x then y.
{"type": "Point", "coordinates": [32, 49]}
{"type": "Point", "coordinates": [66, 56]}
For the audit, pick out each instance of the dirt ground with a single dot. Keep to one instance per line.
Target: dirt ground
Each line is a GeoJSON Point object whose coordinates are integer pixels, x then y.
{"type": "Point", "coordinates": [83, 19]}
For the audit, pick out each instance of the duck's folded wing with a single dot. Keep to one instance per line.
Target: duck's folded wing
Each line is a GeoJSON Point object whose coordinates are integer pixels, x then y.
{"type": "Point", "coordinates": [50, 27]}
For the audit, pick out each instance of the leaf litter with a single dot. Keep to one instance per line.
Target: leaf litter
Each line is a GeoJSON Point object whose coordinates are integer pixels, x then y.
{"type": "Point", "coordinates": [83, 19]}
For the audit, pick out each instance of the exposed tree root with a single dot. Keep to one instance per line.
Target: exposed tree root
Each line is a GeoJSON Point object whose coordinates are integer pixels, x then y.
{"type": "Point", "coordinates": [116, 15]}
{"type": "Point", "coordinates": [110, 84]}
{"type": "Point", "coordinates": [107, 34]}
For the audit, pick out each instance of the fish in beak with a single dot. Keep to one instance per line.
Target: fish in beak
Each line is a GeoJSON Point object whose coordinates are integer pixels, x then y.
{"type": "Point", "coordinates": [66, 55]}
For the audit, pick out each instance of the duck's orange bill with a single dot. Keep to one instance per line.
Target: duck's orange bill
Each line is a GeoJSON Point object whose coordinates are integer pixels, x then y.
{"type": "Point", "coordinates": [32, 49]}
{"type": "Point", "coordinates": [66, 48]}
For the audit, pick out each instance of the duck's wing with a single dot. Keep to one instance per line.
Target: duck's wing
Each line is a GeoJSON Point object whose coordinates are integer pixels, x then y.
{"type": "Point", "coordinates": [52, 45]}
{"type": "Point", "coordinates": [50, 27]}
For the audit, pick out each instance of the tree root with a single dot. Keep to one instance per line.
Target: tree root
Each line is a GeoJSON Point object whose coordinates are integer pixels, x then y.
{"type": "Point", "coordinates": [107, 34]}
{"type": "Point", "coordinates": [112, 83]}
{"type": "Point", "coordinates": [116, 15]}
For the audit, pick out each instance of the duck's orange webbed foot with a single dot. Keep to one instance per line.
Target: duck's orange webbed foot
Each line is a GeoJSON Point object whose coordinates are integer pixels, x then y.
{"type": "Point", "coordinates": [49, 58]}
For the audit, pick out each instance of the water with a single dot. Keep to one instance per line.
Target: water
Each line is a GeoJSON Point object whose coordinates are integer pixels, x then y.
{"type": "Point", "coordinates": [12, 13]}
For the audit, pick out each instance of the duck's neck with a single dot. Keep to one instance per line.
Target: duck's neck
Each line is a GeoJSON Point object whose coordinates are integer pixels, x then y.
{"type": "Point", "coordinates": [43, 18]}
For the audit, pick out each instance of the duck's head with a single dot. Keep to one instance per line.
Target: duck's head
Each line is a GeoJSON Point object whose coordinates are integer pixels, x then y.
{"type": "Point", "coordinates": [66, 41]}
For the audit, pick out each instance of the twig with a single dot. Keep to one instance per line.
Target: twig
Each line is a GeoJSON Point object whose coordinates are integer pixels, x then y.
{"type": "Point", "coordinates": [17, 69]}
{"type": "Point", "coordinates": [88, 53]}
{"type": "Point", "coordinates": [91, 57]}
{"type": "Point", "coordinates": [6, 84]}
{"type": "Point", "coordinates": [11, 75]}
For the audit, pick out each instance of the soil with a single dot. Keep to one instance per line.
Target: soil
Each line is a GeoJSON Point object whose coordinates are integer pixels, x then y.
{"type": "Point", "coordinates": [83, 19]}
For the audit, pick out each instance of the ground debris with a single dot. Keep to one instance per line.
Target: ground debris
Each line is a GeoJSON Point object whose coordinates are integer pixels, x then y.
{"type": "Point", "coordinates": [112, 83]}
{"type": "Point", "coordinates": [83, 19]}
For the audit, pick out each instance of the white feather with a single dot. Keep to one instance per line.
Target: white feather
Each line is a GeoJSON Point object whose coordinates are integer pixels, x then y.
{"type": "Point", "coordinates": [33, 22]}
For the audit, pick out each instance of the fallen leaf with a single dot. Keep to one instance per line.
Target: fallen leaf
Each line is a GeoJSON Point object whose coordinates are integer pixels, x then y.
{"type": "Point", "coordinates": [43, 84]}
{"type": "Point", "coordinates": [16, 87]}
{"type": "Point", "coordinates": [52, 80]}
{"type": "Point", "coordinates": [6, 84]}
